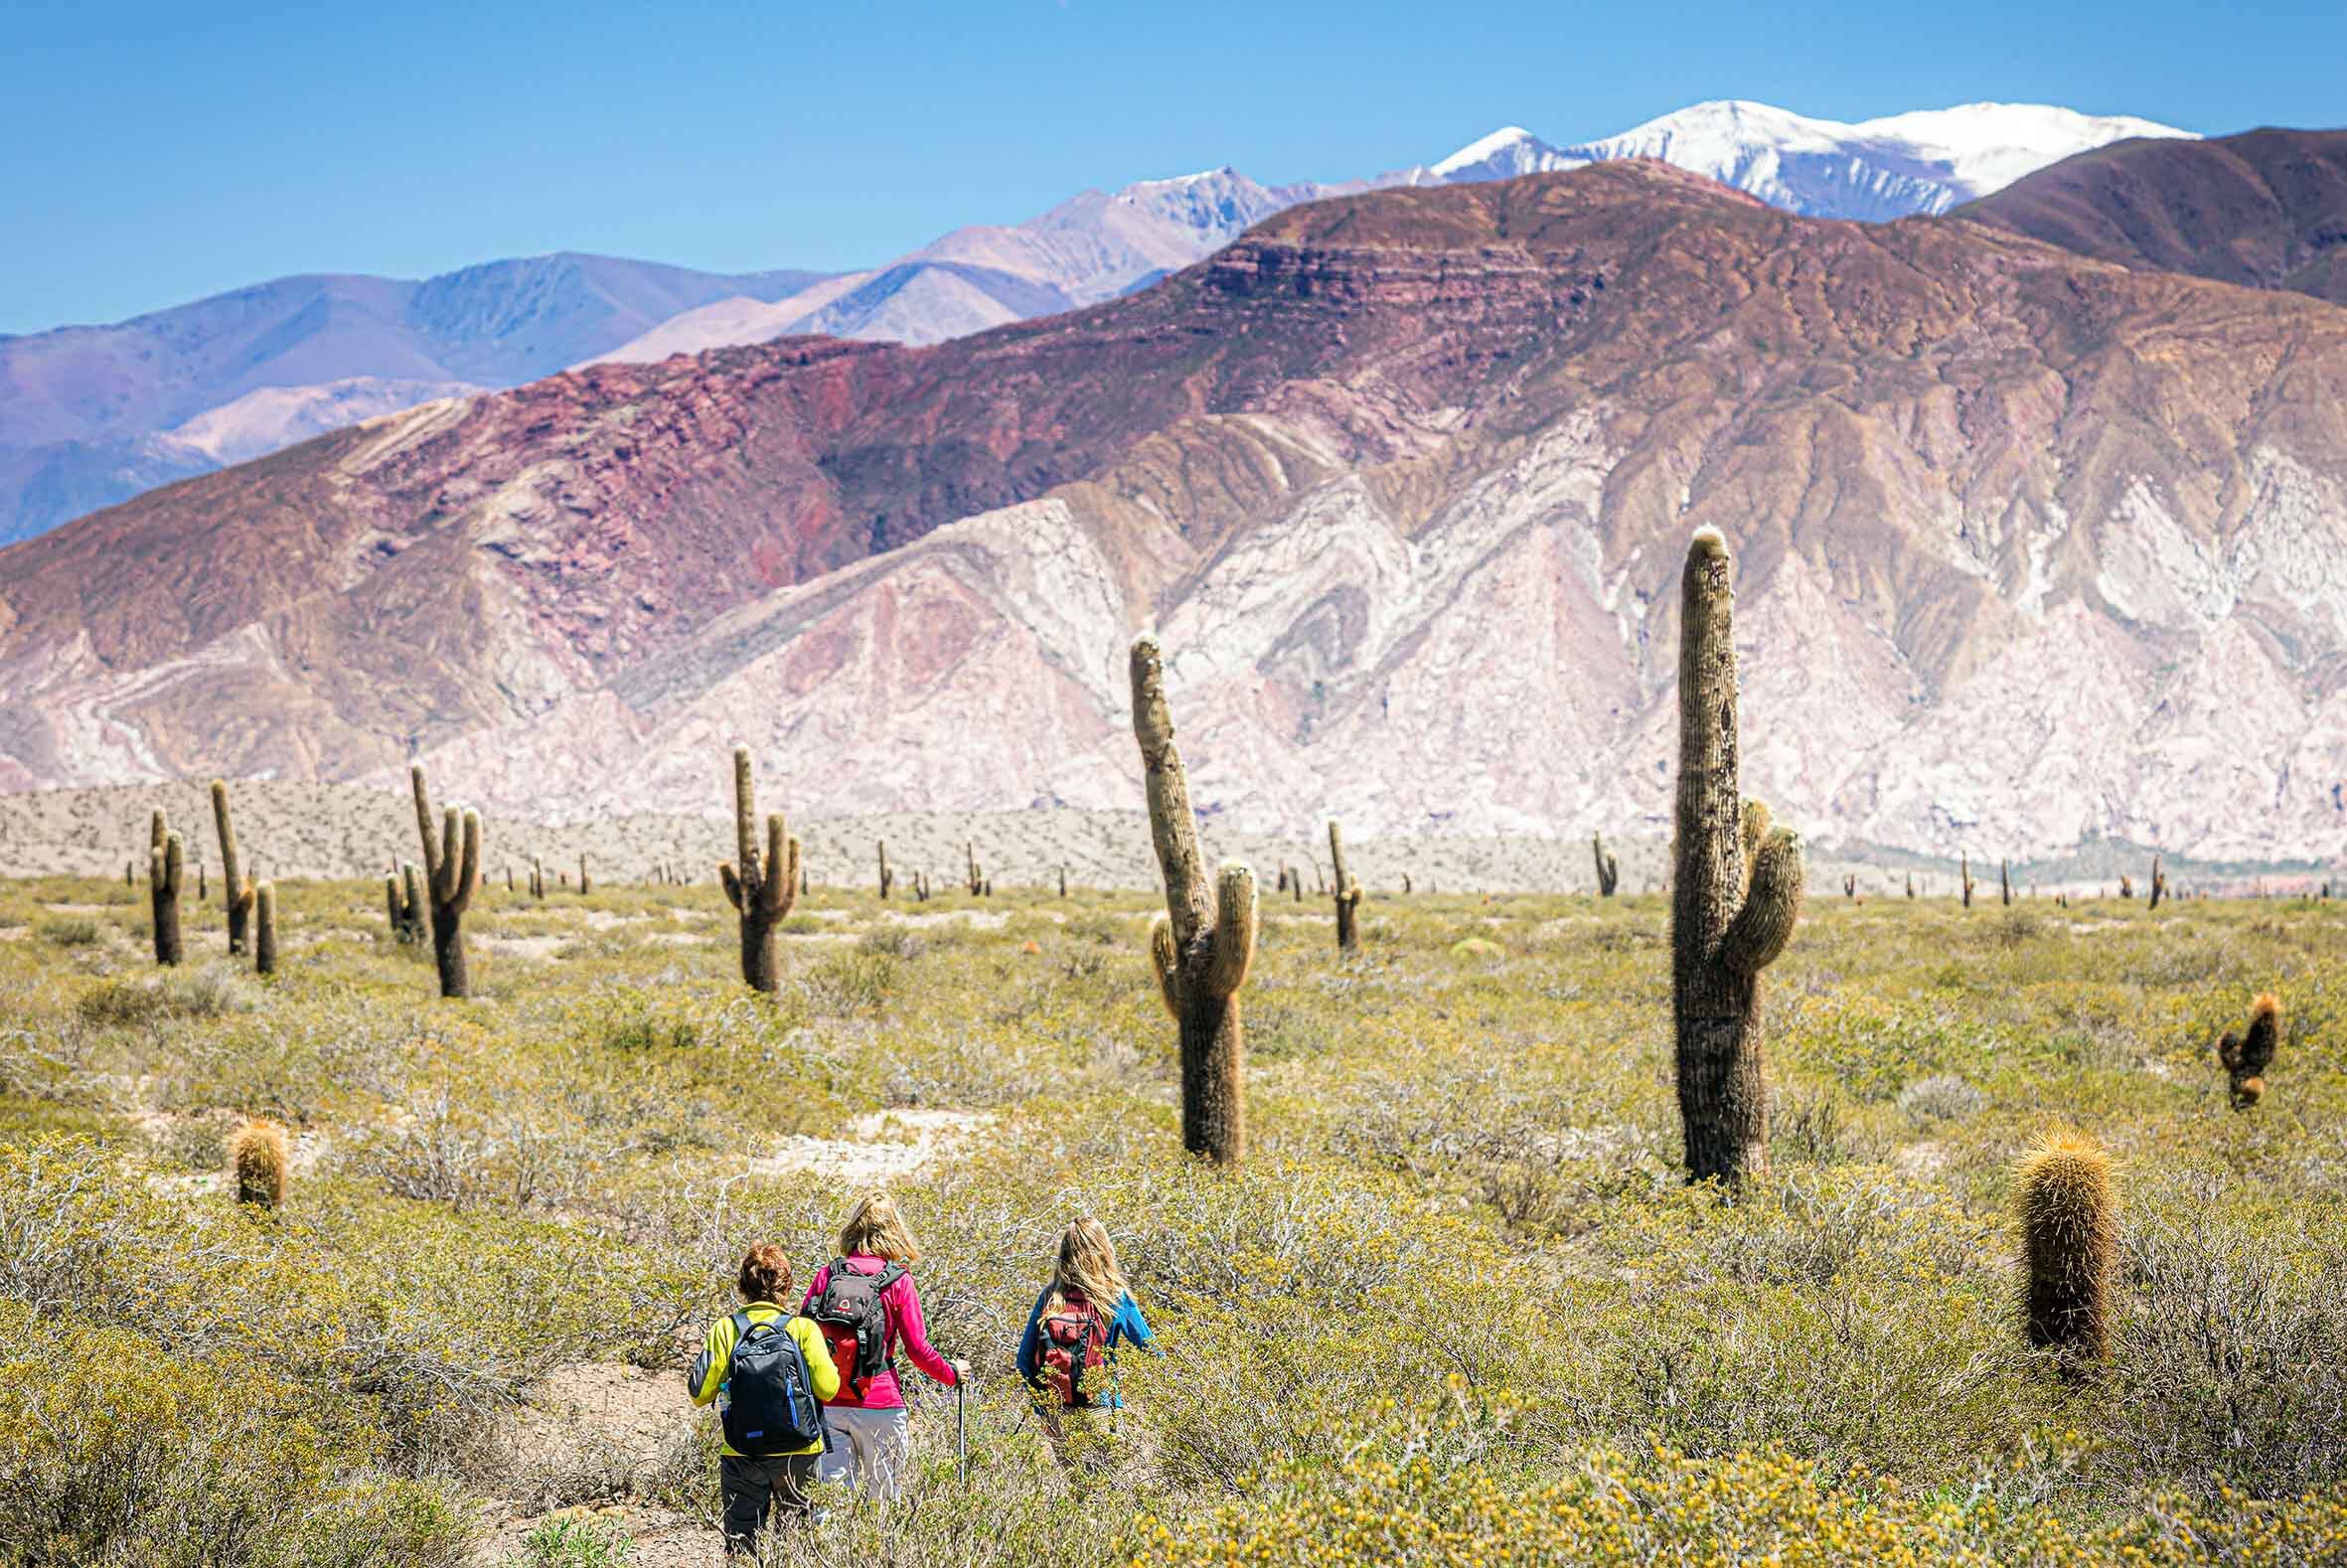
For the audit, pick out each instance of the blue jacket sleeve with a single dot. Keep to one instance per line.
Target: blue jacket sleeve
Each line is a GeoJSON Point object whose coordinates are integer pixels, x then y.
{"type": "Point", "coordinates": [1030, 1349]}
{"type": "Point", "coordinates": [1129, 1327]}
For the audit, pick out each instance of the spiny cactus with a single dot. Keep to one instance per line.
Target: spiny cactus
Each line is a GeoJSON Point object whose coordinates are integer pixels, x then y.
{"type": "Point", "coordinates": [1347, 895]}
{"type": "Point", "coordinates": [1849, 885]}
{"type": "Point", "coordinates": [888, 876]}
{"type": "Point", "coordinates": [1911, 884]}
{"type": "Point", "coordinates": [2004, 882]}
{"type": "Point", "coordinates": [1063, 881]}
{"type": "Point", "coordinates": [762, 889]}
{"type": "Point", "coordinates": [2126, 885]}
{"type": "Point", "coordinates": [1965, 871]}
{"type": "Point", "coordinates": [257, 1159]}
{"type": "Point", "coordinates": [1736, 891]}
{"type": "Point", "coordinates": [202, 883]}
{"type": "Point", "coordinates": [164, 860]}
{"type": "Point", "coordinates": [2069, 1211]}
{"type": "Point", "coordinates": [452, 869]}
{"type": "Point", "coordinates": [1609, 869]}
{"type": "Point", "coordinates": [585, 889]}
{"type": "Point", "coordinates": [2247, 1055]}
{"type": "Point", "coordinates": [265, 932]}
{"type": "Point", "coordinates": [976, 875]}
{"type": "Point", "coordinates": [1203, 945]}
{"type": "Point", "coordinates": [2159, 885]}
{"type": "Point", "coordinates": [235, 888]}
{"type": "Point", "coordinates": [402, 896]}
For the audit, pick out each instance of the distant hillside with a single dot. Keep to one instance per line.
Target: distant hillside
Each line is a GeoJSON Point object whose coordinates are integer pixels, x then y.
{"type": "Point", "coordinates": [2266, 208]}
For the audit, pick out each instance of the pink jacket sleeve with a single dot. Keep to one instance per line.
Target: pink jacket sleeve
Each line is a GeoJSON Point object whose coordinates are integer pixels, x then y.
{"type": "Point", "coordinates": [823, 1277]}
{"type": "Point", "coordinates": [904, 1313]}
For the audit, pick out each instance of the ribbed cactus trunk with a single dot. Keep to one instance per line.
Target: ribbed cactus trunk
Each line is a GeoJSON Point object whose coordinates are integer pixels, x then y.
{"type": "Point", "coordinates": [2069, 1210]}
{"type": "Point", "coordinates": [1609, 869]}
{"type": "Point", "coordinates": [165, 857]}
{"type": "Point", "coordinates": [761, 887]}
{"type": "Point", "coordinates": [235, 891]}
{"type": "Point", "coordinates": [1204, 942]}
{"type": "Point", "coordinates": [2004, 882]}
{"type": "Point", "coordinates": [887, 878]}
{"type": "Point", "coordinates": [1965, 871]}
{"type": "Point", "coordinates": [1347, 895]}
{"type": "Point", "coordinates": [451, 870]}
{"type": "Point", "coordinates": [1735, 890]}
{"type": "Point", "coordinates": [264, 934]}
{"type": "Point", "coordinates": [585, 888]}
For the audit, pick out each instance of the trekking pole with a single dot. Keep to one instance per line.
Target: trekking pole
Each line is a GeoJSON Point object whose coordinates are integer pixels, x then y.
{"type": "Point", "coordinates": [962, 1426]}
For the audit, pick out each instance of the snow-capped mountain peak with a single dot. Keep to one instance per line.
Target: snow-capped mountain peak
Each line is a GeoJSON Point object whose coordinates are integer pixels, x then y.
{"type": "Point", "coordinates": [1512, 147]}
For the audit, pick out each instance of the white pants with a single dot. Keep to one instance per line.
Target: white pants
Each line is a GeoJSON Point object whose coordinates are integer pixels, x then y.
{"type": "Point", "coordinates": [866, 1450]}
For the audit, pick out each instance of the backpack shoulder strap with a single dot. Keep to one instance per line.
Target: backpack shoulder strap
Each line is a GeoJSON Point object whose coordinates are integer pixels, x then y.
{"type": "Point", "coordinates": [888, 1275]}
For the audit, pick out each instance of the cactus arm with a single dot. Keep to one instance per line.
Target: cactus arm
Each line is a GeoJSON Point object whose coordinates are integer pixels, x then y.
{"type": "Point", "coordinates": [781, 867]}
{"type": "Point", "coordinates": [1233, 948]}
{"type": "Point", "coordinates": [1771, 906]}
{"type": "Point", "coordinates": [469, 869]}
{"type": "Point", "coordinates": [1172, 830]}
{"type": "Point", "coordinates": [745, 819]}
{"type": "Point", "coordinates": [731, 881]}
{"type": "Point", "coordinates": [1166, 962]}
{"type": "Point", "coordinates": [424, 820]}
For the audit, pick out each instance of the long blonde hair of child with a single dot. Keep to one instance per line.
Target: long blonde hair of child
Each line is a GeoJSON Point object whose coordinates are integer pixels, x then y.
{"type": "Point", "coordinates": [875, 1228]}
{"type": "Point", "coordinates": [1088, 1265]}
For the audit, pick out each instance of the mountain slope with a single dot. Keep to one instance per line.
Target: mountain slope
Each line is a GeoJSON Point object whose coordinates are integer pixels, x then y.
{"type": "Point", "coordinates": [91, 400]}
{"type": "Point", "coordinates": [2266, 208]}
{"type": "Point", "coordinates": [2031, 548]}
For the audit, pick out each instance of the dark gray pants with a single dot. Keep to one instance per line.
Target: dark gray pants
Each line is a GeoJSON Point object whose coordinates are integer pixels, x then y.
{"type": "Point", "coordinates": [753, 1487]}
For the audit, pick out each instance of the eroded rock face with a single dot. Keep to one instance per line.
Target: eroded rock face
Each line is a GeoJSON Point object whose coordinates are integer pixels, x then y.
{"type": "Point", "coordinates": [2029, 548]}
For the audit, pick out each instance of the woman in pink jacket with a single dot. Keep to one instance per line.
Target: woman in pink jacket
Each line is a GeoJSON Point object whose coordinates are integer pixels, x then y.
{"type": "Point", "coordinates": [864, 1303]}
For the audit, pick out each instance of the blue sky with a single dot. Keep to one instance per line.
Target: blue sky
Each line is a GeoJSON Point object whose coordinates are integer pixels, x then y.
{"type": "Point", "coordinates": [154, 154]}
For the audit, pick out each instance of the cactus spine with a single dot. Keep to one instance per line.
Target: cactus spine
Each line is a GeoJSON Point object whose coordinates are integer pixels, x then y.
{"type": "Point", "coordinates": [2246, 1056]}
{"type": "Point", "coordinates": [1348, 895]}
{"type": "Point", "coordinates": [164, 858]}
{"type": "Point", "coordinates": [761, 888]}
{"type": "Point", "coordinates": [1736, 891]}
{"type": "Point", "coordinates": [264, 928]}
{"type": "Point", "coordinates": [256, 1159]}
{"type": "Point", "coordinates": [2069, 1207]}
{"type": "Point", "coordinates": [235, 887]}
{"type": "Point", "coordinates": [1201, 946]}
{"type": "Point", "coordinates": [888, 876]}
{"type": "Point", "coordinates": [452, 869]}
{"type": "Point", "coordinates": [1609, 869]}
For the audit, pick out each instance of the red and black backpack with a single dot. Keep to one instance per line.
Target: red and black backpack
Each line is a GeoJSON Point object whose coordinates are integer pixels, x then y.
{"type": "Point", "coordinates": [1074, 1342]}
{"type": "Point", "coordinates": [855, 1321]}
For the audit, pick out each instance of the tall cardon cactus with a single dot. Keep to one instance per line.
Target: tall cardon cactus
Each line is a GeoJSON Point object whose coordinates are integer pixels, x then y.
{"type": "Point", "coordinates": [761, 887]}
{"type": "Point", "coordinates": [451, 870]}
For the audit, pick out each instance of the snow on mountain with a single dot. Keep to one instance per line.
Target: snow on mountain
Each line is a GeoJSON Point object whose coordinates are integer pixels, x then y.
{"type": "Point", "coordinates": [1874, 170]}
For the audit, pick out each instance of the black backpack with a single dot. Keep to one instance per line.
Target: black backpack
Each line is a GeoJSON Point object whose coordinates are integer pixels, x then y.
{"type": "Point", "coordinates": [771, 1403]}
{"type": "Point", "coordinates": [855, 1321]}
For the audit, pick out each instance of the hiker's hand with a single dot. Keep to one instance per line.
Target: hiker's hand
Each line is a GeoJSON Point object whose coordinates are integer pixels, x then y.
{"type": "Point", "coordinates": [961, 1370]}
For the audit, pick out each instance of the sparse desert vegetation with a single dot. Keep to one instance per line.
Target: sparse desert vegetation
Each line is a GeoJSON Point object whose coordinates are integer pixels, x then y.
{"type": "Point", "coordinates": [1458, 1304]}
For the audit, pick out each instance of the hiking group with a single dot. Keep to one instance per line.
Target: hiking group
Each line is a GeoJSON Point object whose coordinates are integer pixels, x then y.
{"type": "Point", "coordinates": [812, 1394]}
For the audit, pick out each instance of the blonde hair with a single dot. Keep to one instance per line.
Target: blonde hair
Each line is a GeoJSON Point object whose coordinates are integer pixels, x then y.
{"type": "Point", "coordinates": [1088, 1265]}
{"type": "Point", "coordinates": [875, 1228]}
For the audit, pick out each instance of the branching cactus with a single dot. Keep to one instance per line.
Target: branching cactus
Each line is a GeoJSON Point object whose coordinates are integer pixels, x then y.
{"type": "Point", "coordinates": [1849, 885]}
{"type": "Point", "coordinates": [888, 876]}
{"type": "Point", "coordinates": [2159, 885]}
{"type": "Point", "coordinates": [1736, 891]}
{"type": "Point", "coordinates": [257, 1159]}
{"type": "Point", "coordinates": [2247, 1055]}
{"type": "Point", "coordinates": [235, 887]}
{"type": "Point", "coordinates": [402, 898]}
{"type": "Point", "coordinates": [2069, 1207]}
{"type": "Point", "coordinates": [165, 857]}
{"type": "Point", "coordinates": [1203, 943]}
{"type": "Point", "coordinates": [1347, 895]}
{"type": "Point", "coordinates": [1609, 869]}
{"type": "Point", "coordinates": [451, 870]}
{"type": "Point", "coordinates": [264, 928]}
{"type": "Point", "coordinates": [978, 884]}
{"type": "Point", "coordinates": [761, 887]}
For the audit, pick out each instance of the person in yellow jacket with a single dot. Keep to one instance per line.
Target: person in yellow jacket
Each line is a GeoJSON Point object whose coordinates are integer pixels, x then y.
{"type": "Point", "coordinates": [756, 1485]}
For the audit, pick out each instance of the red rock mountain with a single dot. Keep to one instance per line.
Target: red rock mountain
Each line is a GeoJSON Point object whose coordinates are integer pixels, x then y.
{"type": "Point", "coordinates": [2266, 208]}
{"type": "Point", "coordinates": [2031, 546]}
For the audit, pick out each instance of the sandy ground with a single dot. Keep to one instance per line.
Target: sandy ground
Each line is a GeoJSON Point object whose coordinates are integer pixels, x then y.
{"type": "Point", "coordinates": [341, 830]}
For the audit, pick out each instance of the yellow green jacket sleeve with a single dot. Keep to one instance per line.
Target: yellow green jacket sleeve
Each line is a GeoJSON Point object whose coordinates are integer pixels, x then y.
{"type": "Point", "coordinates": [707, 1372]}
{"type": "Point", "coordinates": [821, 1371]}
